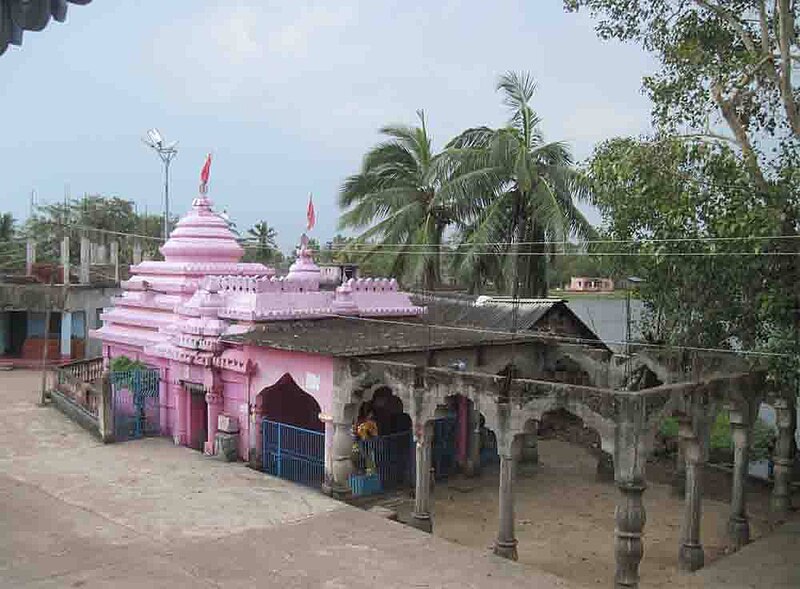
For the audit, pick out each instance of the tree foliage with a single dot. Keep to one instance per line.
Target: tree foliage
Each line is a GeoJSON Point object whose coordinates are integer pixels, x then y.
{"type": "Point", "coordinates": [398, 200]}
{"type": "Point", "coordinates": [512, 192]}
{"type": "Point", "coordinates": [101, 219]}
{"type": "Point", "coordinates": [493, 194]}
{"type": "Point", "coordinates": [722, 63]}
{"type": "Point", "coordinates": [261, 243]}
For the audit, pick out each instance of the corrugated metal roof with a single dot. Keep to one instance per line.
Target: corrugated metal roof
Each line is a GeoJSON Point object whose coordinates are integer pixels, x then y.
{"type": "Point", "coordinates": [487, 312]}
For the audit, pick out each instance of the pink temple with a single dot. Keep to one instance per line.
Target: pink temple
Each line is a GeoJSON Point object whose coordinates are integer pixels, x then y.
{"type": "Point", "coordinates": [175, 314]}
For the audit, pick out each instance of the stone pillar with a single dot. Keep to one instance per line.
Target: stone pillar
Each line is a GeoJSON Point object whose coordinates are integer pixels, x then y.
{"type": "Point", "coordinates": [421, 516]}
{"type": "Point", "coordinates": [181, 407]}
{"type": "Point", "coordinates": [781, 502]}
{"type": "Point", "coordinates": [115, 259]}
{"type": "Point", "coordinates": [342, 462]}
{"type": "Point", "coordinates": [163, 404]}
{"type": "Point", "coordinates": [66, 335]}
{"type": "Point", "coordinates": [462, 447]}
{"type": "Point", "coordinates": [630, 455]}
{"type": "Point", "coordinates": [738, 524]}
{"type": "Point", "coordinates": [214, 402]}
{"type": "Point", "coordinates": [65, 258]}
{"type": "Point", "coordinates": [255, 435]}
{"type": "Point", "coordinates": [30, 256]}
{"type": "Point", "coordinates": [86, 260]}
{"type": "Point", "coordinates": [327, 480]}
{"type": "Point", "coordinates": [473, 465]}
{"type": "Point", "coordinates": [605, 467]}
{"type": "Point", "coordinates": [105, 414]}
{"type": "Point", "coordinates": [137, 252]}
{"type": "Point", "coordinates": [690, 554]}
{"type": "Point", "coordinates": [506, 543]}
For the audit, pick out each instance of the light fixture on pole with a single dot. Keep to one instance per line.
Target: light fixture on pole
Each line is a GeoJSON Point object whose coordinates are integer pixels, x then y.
{"type": "Point", "coordinates": [166, 152]}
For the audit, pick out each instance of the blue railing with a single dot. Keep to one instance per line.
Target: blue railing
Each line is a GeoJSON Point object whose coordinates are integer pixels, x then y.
{"type": "Point", "coordinates": [293, 453]}
{"type": "Point", "coordinates": [135, 403]}
{"type": "Point", "coordinates": [392, 457]}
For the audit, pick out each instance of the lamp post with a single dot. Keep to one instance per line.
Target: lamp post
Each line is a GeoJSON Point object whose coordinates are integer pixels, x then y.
{"type": "Point", "coordinates": [166, 152]}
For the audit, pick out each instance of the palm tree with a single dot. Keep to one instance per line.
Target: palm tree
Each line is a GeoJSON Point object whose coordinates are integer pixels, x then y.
{"type": "Point", "coordinates": [264, 238]}
{"type": "Point", "coordinates": [512, 193]}
{"type": "Point", "coordinates": [397, 196]}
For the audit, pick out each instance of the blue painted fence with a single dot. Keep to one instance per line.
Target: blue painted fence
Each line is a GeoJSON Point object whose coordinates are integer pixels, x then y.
{"type": "Point", "coordinates": [293, 453]}
{"type": "Point", "coordinates": [392, 457]}
{"type": "Point", "coordinates": [135, 403]}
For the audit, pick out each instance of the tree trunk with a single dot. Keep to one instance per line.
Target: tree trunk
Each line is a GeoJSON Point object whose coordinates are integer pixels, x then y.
{"type": "Point", "coordinates": [532, 263]}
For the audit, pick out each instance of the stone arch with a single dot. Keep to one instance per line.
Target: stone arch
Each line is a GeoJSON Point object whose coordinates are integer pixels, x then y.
{"type": "Point", "coordinates": [389, 411]}
{"type": "Point", "coordinates": [285, 401]}
{"type": "Point", "coordinates": [604, 426]}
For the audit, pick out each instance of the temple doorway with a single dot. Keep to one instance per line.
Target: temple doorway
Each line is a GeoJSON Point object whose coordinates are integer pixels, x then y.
{"type": "Point", "coordinates": [198, 418]}
{"type": "Point", "coordinates": [292, 435]}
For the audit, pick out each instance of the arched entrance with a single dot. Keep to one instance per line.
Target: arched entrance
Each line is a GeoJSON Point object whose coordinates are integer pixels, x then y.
{"type": "Point", "coordinates": [292, 435]}
{"type": "Point", "coordinates": [386, 459]}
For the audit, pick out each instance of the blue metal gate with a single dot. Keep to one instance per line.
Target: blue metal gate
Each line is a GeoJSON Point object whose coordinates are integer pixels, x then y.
{"type": "Point", "coordinates": [392, 456]}
{"type": "Point", "coordinates": [444, 447]}
{"type": "Point", "coordinates": [135, 403]}
{"type": "Point", "coordinates": [293, 453]}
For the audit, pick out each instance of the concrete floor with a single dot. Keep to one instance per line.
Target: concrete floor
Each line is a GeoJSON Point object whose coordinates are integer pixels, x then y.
{"type": "Point", "coordinates": [76, 513]}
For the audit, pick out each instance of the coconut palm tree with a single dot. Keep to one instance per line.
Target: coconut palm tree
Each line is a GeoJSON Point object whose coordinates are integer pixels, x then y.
{"type": "Point", "coordinates": [512, 192]}
{"type": "Point", "coordinates": [397, 200]}
{"type": "Point", "coordinates": [263, 237]}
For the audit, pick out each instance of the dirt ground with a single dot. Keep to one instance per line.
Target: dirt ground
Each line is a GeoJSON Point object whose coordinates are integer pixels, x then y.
{"type": "Point", "coordinates": [565, 519]}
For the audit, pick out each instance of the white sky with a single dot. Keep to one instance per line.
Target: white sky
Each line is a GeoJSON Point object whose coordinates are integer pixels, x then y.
{"type": "Point", "coordinates": [287, 95]}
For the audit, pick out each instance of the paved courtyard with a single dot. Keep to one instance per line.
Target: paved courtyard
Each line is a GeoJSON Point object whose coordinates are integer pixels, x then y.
{"type": "Point", "coordinates": [77, 513]}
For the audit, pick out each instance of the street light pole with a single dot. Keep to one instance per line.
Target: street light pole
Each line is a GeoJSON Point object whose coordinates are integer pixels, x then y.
{"type": "Point", "coordinates": [166, 152]}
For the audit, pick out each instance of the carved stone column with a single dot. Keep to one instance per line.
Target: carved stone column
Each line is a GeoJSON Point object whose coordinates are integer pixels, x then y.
{"type": "Point", "coordinates": [214, 402]}
{"type": "Point", "coordinates": [421, 516]}
{"type": "Point", "coordinates": [327, 479]}
{"type": "Point", "coordinates": [473, 466]}
{"type": "Point", "coordinates": [342, 463]}
{"type": "Point", "coordinates": [506, 543]}
{"type": "Point", "coordinates": [738, 524]}
{"type": "Point", "coordinates": [181, 409]}
{"type": "Point", "coordinates": [630, 454]}
{"type": "Point", "coordinates": [780, 502]}
{"type": "Point", "coordinates": [690, 554]}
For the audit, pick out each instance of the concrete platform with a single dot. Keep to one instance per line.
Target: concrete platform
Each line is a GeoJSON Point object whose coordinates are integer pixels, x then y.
{"type": "Point", "coordinates": [772, 561]}
{"type": "Point", "coordinates": [77, 513]}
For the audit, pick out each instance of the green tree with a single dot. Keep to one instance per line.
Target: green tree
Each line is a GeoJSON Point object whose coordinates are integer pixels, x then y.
{"type": "Point", "coordinates": [398, 199]}
{"type": "Point", "coordinates": [512, 191]}
{"type": "Point", "coordinates": [692, 193]}
{"type": "Point", "coordinates": [262, 239]}
{"type": "Point", "coordinates": [723, 65]}
{"type": "Point", "coordinates": [12, 251]}
{"type": "Point", "coordinates": [728, 62]}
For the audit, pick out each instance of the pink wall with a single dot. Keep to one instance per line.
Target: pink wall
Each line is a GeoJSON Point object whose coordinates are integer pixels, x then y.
{"type": "Point", "coordinates": [312, 373]}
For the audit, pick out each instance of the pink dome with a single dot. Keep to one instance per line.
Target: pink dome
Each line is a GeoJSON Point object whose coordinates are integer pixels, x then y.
{"type": "Point", "coordinates": [202, 236]}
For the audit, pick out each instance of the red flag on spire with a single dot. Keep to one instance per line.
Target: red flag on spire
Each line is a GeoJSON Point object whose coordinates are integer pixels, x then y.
{"type": "Point", "coordinates": [204, 173]}
{"type": "Point", "coordinates": [311, 216]}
